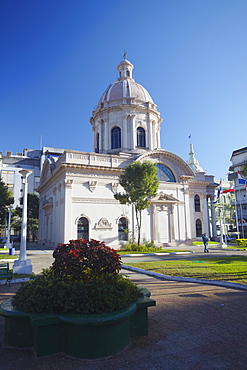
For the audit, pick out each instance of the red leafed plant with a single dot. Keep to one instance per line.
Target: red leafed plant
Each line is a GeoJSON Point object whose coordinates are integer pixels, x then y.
{"type": "Point", "coordinates": [85, 260]}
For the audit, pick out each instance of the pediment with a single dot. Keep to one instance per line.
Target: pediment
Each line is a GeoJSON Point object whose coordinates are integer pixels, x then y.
{"type": "Point", "coordinates": [165, 198]}
{"type": "Point", "coordinates": [46, 171]}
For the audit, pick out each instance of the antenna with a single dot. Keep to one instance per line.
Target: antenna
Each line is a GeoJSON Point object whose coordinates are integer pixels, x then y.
{"type": "Point", "coordinates": [41, 142]}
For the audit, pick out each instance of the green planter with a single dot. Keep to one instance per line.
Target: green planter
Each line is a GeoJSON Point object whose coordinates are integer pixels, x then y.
{"type": "Point", "coordinates": [82, 336]}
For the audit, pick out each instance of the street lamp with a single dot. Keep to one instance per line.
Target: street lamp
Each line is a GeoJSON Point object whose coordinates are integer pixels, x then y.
{"type": "Point", "coordinates": [222, 243]}
{"type": "Point", "coordinates": [8, 243]}
{"type": "Point", "coordinates": [23, 265]}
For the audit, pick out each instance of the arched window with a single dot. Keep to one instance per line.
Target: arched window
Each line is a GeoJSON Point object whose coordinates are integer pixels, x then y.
{"type": "Point", "coordinates": [97, 143]}
{"type": "Point", "coordinates": [197, 203]}
{"type": "Point", "coordinates": [164, 173]}
{"type": "Point", "coordinates": [116, 138]}
{"type": "Point", "coordinates": [198, 228]}
{"type": "Point", "coordinates": [127, 73]}
{"type": "Point", "coordinates": [122, 229]}
{"type": "Point", "coordinates": [141, 138]}
{"type": "Point", "coordinates": [82, 228]}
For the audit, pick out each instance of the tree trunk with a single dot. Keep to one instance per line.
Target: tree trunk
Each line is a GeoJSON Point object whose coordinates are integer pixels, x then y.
{"type": "Point", "coordinates": [138, 221]}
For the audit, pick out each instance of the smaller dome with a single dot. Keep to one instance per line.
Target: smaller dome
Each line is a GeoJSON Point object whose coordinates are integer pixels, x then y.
{"type": "Point", "coordinates": [125, 86]}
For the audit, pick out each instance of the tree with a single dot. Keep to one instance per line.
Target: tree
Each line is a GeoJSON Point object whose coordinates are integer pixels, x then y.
{"type": "Point", "coordinates": [6, 199]}
{"type": "Point", "coordinates": [140, 183]}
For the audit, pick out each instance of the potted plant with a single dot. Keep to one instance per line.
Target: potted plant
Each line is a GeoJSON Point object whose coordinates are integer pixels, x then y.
{"type": "Point", "coordinates": [81, 305]}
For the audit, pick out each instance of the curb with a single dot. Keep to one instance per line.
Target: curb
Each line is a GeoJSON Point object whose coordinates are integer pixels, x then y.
{"type": "Point", "coordinates": [156, 275]}
{"type": "Point", "coordinates": [153, 254]}
{"type": "Point", "coordinates": [21, 280]}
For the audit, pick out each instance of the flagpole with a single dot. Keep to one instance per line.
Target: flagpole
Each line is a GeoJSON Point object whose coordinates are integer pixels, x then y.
{"type": "Point", "coordinates": [224, 220]}
{"type": "Point", "coordinates": [241, 213]}
{"type": "Point", "coordinates": [236, 212]}
{"type": "Point", "coordinates": [222, 244]}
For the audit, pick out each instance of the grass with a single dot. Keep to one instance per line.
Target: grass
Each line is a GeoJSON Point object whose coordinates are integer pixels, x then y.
{"type": "Point", "coordinates": [7, 257]}
{"type": "Point", "coordinates": [236, 247]}
{"type": "Point", "coordinates": [201, 243]}
{"type": "Point", "coordinates": [233, 269]}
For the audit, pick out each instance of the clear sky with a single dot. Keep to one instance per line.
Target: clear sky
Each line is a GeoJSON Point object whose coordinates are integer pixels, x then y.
{"type": "Point", "coordinates": [58, 56]}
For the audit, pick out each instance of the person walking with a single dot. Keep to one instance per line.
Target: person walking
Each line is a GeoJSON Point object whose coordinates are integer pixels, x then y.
{"type": "Point", "coordinates": [205, 242]}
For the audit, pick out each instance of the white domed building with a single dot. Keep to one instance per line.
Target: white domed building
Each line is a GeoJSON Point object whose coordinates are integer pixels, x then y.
{"type": "Point", "coordinates": [77, 189]}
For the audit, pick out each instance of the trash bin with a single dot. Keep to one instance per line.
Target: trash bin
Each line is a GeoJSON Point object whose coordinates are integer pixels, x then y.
{"type": "Point", "coordinates": [11, 251]}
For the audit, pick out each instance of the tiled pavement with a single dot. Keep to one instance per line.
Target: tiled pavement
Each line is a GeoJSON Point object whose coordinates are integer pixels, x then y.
{"type": "Point", "coordinates": [193, 326]}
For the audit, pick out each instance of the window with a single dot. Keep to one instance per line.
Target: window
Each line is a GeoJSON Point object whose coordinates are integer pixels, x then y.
{"type": "Point", "coordinates": [116, 138]}
{"type": "Point", "coordinates": [164, 173]}
{"type": "Point", "coordinates": [82, 228]}
{"type": "Point", "coordinates": [197, 203]}
{"type": "Point", "coordinates": [127, 73]}
{"type": "Point", "coordinates": [198, 228]}
{"type": "Point", "coordinates": [122, 229]}
{"type": "Point", "coordinates": [141, 137]}
{"type": "Point", "coordinates": [8, 178]}
{"type": "Point", "coordinates": [97, 143]}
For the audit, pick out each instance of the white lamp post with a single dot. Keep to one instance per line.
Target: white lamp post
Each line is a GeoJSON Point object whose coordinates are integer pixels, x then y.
{"type": "Point", "coordinates": [8, 243]}
{"type": "Point", "coordinates": [22, 265]}
{"type": "Point", "coordinates": [222, 243]}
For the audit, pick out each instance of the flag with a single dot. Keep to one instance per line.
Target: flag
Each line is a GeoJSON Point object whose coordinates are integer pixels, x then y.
{"type": "Point", "coordinates": [218, 192]}
{"type": "Point", "coordinates": [241, 180]}
{"type": "Point", "coordinates": [229, 190]}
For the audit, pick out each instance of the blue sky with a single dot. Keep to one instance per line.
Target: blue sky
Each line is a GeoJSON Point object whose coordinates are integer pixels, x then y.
{"type": "Point", "coordinates": [58, 57]}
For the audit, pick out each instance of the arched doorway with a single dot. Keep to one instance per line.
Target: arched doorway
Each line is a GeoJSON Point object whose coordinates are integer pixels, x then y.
{"type": "Point", "coordinates": [82, 228]}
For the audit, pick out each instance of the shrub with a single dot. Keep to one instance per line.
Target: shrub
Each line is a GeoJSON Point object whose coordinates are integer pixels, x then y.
{"type": "Point", "coordinates": [85, 260]}
{"type": "Point", "coordinates": [144, 247]}
{"type": "Point", "coordinates": [49, 293]}
{"type": "Point", "coordinates": [241, 242]}
{"type": "Point", "coordinates": [84, 278]}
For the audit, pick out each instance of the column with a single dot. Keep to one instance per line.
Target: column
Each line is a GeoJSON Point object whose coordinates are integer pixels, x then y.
{"type": "Point", "coordinates": [133, 132]}
{"type": "Point", "coordinates": [67, 209]}
{"type": "Point", "coordinates": [150, 135]}
{"type": "Point", "coordinates": [106, 137]}
{"type": "Point", "coordinates": [171, 222]}
{"type": "Point", "coordinates": [154, 229]}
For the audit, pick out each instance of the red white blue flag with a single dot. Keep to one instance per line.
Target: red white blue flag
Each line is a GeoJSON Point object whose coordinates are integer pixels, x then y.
{"type": "Point", "coordinates": [241, 180]}
{"type": "Point", "coordinates": [229, 190]}
{"type": "Point", "coordinates": [218, 192]}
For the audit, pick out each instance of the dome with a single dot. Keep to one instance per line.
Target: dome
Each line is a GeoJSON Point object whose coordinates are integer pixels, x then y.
{"type": "Point", "coordinates": [125, 86]}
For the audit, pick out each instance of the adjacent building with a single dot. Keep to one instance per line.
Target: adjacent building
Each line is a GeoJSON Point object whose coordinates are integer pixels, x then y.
{"type": "Point", "coordinates": [238, 175]}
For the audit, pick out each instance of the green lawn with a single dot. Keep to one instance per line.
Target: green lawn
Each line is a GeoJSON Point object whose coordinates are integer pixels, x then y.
{"type": "Point", "coordinates": [6, 256]}
{"type": "Point", "coordinates": [233, 269]}
{"type": "Point", "coordinates": [201, 243]}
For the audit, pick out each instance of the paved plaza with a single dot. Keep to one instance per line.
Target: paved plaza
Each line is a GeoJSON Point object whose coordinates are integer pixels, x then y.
{"type": "Point", "coordinates": [193, 326]}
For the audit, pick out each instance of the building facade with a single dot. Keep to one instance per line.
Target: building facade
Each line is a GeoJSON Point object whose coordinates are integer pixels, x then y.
{"type": "Point", "coordinates": [239, 164]}
{"type": "Point", "coordinates": [77, 189]}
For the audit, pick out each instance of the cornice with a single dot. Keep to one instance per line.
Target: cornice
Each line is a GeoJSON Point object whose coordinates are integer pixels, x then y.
{"type": "Point", "coordinates": [122, 107]}
{"type": "Point", "coordinates": [94, 200]}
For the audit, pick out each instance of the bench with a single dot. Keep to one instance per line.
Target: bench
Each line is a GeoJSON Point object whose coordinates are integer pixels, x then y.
{"type": "Point", "coordinates": [5, 272]}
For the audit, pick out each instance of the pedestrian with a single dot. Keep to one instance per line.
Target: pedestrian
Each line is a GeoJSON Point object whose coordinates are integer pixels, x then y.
{"type": "Point", "coordinates": [205, 242]}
